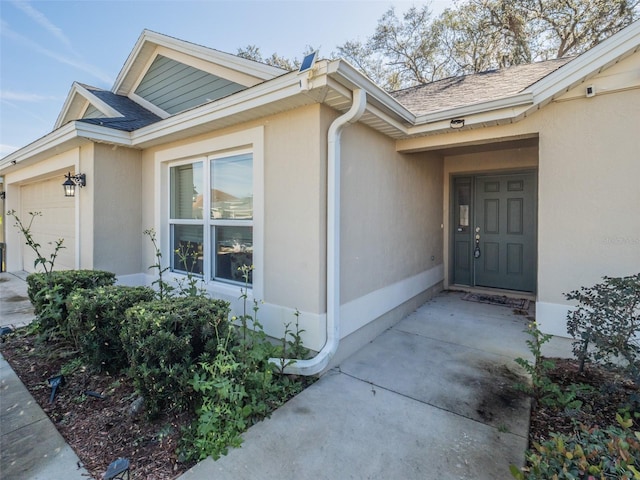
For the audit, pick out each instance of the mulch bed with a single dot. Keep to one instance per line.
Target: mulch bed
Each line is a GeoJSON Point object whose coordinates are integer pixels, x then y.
{"type": "Point", "coordinates": [102, 430]}
{"type": "Point", "coordinates": [612, 393]}
{"type": "Point", "coordinates": [99, 430]}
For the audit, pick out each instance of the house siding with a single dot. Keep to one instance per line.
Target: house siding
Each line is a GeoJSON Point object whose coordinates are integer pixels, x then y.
{"type": "Point", "coordinates": [175, 87]}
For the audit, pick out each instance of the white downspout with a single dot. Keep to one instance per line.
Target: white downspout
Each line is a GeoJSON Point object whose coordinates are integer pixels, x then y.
{"type": "Point", "coordinates": [318, 363]}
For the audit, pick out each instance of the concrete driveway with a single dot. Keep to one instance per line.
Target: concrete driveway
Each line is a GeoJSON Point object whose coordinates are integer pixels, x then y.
{"type": "Point", "coordinates": [431, 398]}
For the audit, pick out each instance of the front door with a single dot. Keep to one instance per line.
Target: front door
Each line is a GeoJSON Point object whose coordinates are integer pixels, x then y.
{"type": "Point", "coordinates": [495, 231]}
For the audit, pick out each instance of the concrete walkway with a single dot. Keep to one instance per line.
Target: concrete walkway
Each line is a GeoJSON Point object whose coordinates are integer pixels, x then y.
{"type": "Point", "coordinates": [431, 398]}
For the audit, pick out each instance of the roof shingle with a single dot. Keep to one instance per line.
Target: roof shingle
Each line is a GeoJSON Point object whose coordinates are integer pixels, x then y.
{"type": "Point", "coordinates": [134, 115]}
{"type": "Point", "coordinates": [481, 87]}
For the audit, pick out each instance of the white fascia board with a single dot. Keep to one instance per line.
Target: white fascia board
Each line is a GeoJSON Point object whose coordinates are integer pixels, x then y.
{"type": "Point", "coordinates": [41, 145]}
{"type": "Point", "coordinates": [102, 134]}
{"type": "Point", "coordinates": [614, 48]}
{"type": "Point", "coordinates": [65, 106]}
{"type": "Point", "coordinates": [509, 114]}
{"type": "Point", "coordinates": [341, 69]}
{"type": "Point", "coordinates": [249, 67]}
{"type": "Point", "coordinates": [277, 89]}
{"type": "Point", "coordinates": [104, 107]}
{"type": "Point", "coordinates": [512, 101]}
{"type": "Point", "coordinates": [66, 133]}
{"type": "Point", "coordinates": [77, 89]}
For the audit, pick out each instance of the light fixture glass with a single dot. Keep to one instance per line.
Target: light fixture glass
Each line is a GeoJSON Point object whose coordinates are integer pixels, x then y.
{"type": "Point", "coordinates": [73, 181]}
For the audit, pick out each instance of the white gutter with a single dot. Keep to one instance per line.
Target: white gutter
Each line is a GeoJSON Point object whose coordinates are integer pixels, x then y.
{"type": "Point", "coordinates": [318, 363]}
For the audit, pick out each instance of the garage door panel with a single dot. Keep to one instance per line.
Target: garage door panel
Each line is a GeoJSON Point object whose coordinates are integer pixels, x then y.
{"type": "Point", "coordinates": [57, 221]}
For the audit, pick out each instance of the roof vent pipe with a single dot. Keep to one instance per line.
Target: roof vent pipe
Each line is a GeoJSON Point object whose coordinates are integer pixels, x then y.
{"type": "Point", "coordinates": [318, 363]}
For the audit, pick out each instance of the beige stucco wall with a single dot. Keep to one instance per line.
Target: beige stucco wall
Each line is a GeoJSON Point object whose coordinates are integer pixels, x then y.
{"type": "Point", "coordinates": [117, 210]}
{"type": "Point", "coordinates": [391, 213]}
{"type": "Point", "coordinates": [588, 183]}
{"type": "Point", "coordinates": [293, 198]}
{"type": "Point", "coordinates": [589, 192]}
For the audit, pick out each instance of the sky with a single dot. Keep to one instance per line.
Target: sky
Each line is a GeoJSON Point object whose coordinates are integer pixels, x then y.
{"type": "Point", "coordinates": [47, 45]}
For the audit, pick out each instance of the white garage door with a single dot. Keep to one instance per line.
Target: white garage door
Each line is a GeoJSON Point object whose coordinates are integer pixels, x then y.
{"type": "Point", "coordinates": [57, 221]}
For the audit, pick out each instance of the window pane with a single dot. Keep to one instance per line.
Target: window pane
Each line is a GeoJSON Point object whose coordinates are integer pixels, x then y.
{"type": "Point", "coordinates": [234, 248]}
{"type": "Point", "coordinates": [186, 191]}
{"type": "Point", "coordinates": [186, 248]}
{"type": "Point", "coordinates": [232, 187]}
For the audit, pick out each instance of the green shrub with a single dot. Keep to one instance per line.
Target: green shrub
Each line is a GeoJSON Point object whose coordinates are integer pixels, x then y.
{"type": "Point", "coordinates": [591, 453]}
{"type": "Point", "coordinates": [164, 340]}
{"type": "Point", "coordinates": [95, 319]}
{"type": "Point", "coordinates": [48, 293]}
{"type": "Point", "coordinates": [606, 322]}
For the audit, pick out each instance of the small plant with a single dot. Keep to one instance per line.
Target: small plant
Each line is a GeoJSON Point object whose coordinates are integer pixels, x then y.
{"type": "Point", "coordinates": [606, 323]}
{"type": "Point", "coordinates": [291, 344]}
{"type": "Point", "coordinates": [239, 386]}
{"type": "Point", "coordinates": [164, 288]}
{"type": "Point", "coordinates": [193, 286]}
{"type": "Point", "coordinates": [46, 263]}
{"type": "Point", "coordinates": [589, 454]}
{"type": "Point", "coordinates": [542, 388]}
{"type": "Point", "coordinates": [538, 369]}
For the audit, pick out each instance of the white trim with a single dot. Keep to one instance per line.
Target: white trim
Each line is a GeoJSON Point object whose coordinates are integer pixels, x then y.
{"type": "Point", "coordinates": [79, 90]}
{"type": "Point", "coordinates": [242, 101]}
{"type": "Point", "coordinates": [149, 106]}
{"type": "Point", "coordinates": [590, 63]}
{"type": "Point", "coordinates": [552, 318]}
{"type": "Point", "coordinates": [248, 67]}
{"type": "Point", "coordinates": [250, 140]}
{"type": "Point", "coordinates": [361, 311]}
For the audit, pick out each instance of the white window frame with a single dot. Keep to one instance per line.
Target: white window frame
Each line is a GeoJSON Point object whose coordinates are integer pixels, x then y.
{"type": "Point", "coordinates": [247, 141]}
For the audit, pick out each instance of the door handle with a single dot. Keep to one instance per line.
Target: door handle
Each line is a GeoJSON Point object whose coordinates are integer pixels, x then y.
{"type": "Point", "coordinates": [476, 251]}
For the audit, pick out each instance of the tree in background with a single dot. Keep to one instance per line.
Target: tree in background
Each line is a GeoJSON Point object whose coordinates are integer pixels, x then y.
{"type": "Point", "coordinates": [252, 52]}
{"type": "Point", "coordinates": [480, 35]}
{"type": "Point", "coordinates": [473, 36]}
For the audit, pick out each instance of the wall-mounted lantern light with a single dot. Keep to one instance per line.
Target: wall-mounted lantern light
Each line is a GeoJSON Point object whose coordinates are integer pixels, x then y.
{"type": "Point", "coordinates": [3, 195]}
{"type": "Point", "coordinates": [73, 181]}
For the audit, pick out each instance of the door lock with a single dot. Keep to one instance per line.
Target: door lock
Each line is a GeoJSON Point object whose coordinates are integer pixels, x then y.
{"type": "Point", "coordinates": [476, 251]}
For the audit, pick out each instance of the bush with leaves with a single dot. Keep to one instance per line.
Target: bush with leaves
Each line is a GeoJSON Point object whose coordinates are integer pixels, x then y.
{"type": "Point", "coordinates": [588, 454]}
{"type": "Point", "coordinates": [164, 340]}
{"type": "Point", "coordinates": [239, 385]}
{"type": "Point", "coordinates": [48, 293]}
{"type": "Point", "coordinates": [95, 319]}
{"type": "Point", "coordinates": [606, 323]}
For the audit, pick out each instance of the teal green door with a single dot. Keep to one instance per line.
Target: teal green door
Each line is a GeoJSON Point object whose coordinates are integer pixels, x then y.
{"type": "Point", "coordinates": [495, 236]}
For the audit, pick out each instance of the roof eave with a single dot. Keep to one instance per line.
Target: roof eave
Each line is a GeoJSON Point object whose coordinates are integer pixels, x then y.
{"type": "Point", "coordinates": [348, 75]}
{"type": "Point", "coordinates": [54, 142]}
{"type": "Point", "coordinates": [590, 63]}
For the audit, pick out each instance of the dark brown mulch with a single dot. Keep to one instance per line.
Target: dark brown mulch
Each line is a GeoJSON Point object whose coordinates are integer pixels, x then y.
{"type": "Point", "coordinates": [612, 393]}
{"type": "Point", "coordinates": [99, 430]}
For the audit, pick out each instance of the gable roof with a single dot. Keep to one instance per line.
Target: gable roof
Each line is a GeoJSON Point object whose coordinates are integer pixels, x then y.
{"type": "Point", "coordinates": [331, 83]}
{"type": "Point", "coordinates": [475, 88]}
{"type": "Point", "coordinates": [150, 44]}
{"type": "Point", "coordinates": [116, 111]}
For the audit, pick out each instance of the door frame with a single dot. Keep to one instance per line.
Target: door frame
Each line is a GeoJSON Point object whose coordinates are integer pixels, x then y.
{"type": "Point", "coordinates": [450, 232]}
